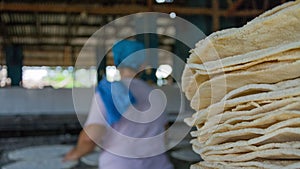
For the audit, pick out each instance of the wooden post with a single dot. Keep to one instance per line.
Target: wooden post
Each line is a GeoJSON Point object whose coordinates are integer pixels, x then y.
{"type": "Point", "coordinates": [150, 5]}
{"type": "Point", "coordinates": [67, 60]}
{"type": "Point", "coordinates": [215, 15]}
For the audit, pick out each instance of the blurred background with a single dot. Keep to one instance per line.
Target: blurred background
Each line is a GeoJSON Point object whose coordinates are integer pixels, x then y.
{"type": "Point", "coordinates": [41, 40]}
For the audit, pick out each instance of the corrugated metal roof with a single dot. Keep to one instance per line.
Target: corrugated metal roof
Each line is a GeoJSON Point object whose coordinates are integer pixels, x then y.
{"type": "Point", "coordinates": [38, 29]}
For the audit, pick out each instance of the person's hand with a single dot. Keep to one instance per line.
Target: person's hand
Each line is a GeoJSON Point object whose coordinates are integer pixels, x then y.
{"type": "Point", "coordinates": [85, 144]}
{"type": "Point", "coordinates": [72, 155]}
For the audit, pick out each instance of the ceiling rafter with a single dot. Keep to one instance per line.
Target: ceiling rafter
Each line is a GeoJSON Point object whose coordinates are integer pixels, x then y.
{"type": "Point", "coordinates": [113, 10]}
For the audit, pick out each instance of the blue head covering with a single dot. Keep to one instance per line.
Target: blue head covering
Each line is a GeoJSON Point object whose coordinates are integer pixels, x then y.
{"type": "Point", "coordinates": [125, 56]}
{"type": "Point", "coordinates": [115, 95]}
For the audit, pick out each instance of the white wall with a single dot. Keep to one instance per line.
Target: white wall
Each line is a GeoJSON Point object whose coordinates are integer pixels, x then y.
{"type": "Point", "coordinates": [22, 101]}
{"type": "Point", "coordinates": [18, 100]}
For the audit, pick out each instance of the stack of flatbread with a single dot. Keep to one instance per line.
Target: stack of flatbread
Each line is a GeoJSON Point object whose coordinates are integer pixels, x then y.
{"type": "Point", "coordinates": [244, 84]}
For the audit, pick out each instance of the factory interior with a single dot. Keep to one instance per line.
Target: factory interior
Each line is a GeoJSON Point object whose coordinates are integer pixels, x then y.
{"type": "Point", "coordinates": [48, 68]}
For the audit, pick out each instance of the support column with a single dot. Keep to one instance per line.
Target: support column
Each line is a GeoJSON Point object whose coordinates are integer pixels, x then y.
{"type": "Point", "coordinates": [14, 62]}
{"type": "Point", "coordinates": [67, 56]}
{"type": "Point", "coordinates": [215, 15]}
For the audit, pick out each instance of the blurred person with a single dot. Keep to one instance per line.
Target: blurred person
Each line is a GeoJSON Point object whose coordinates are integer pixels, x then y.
{"type": "Point", "coordinates": [111, 103]}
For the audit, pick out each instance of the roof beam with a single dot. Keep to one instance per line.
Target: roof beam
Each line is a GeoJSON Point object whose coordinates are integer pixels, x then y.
{"type": "Point", "coordinates": [67, 8]}
{"type": "Point", "coordinates": [182, 10]}
{"type": "Point", "coordinates": [116, 9]}
{"type": "Point", "coordinates": [242, 13]}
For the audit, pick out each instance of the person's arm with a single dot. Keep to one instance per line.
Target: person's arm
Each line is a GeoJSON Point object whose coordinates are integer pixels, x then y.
{"type": "Point", "coordinates": [86, 143]}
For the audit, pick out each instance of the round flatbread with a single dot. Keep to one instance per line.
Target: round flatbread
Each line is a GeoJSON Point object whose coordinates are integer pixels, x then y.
{"type": "Point", "coordinates": [91, 159]}
{"type": "Point", "coordinates": [55, 163]}
{"type": "Point", "coordinates": [39, 152]}
{"type": "Point", "coordinates": [257, 164]}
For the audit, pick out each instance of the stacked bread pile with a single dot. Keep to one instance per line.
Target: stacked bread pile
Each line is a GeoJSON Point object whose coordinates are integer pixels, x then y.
{"type": "Point", "coordinates": [244, 84]}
